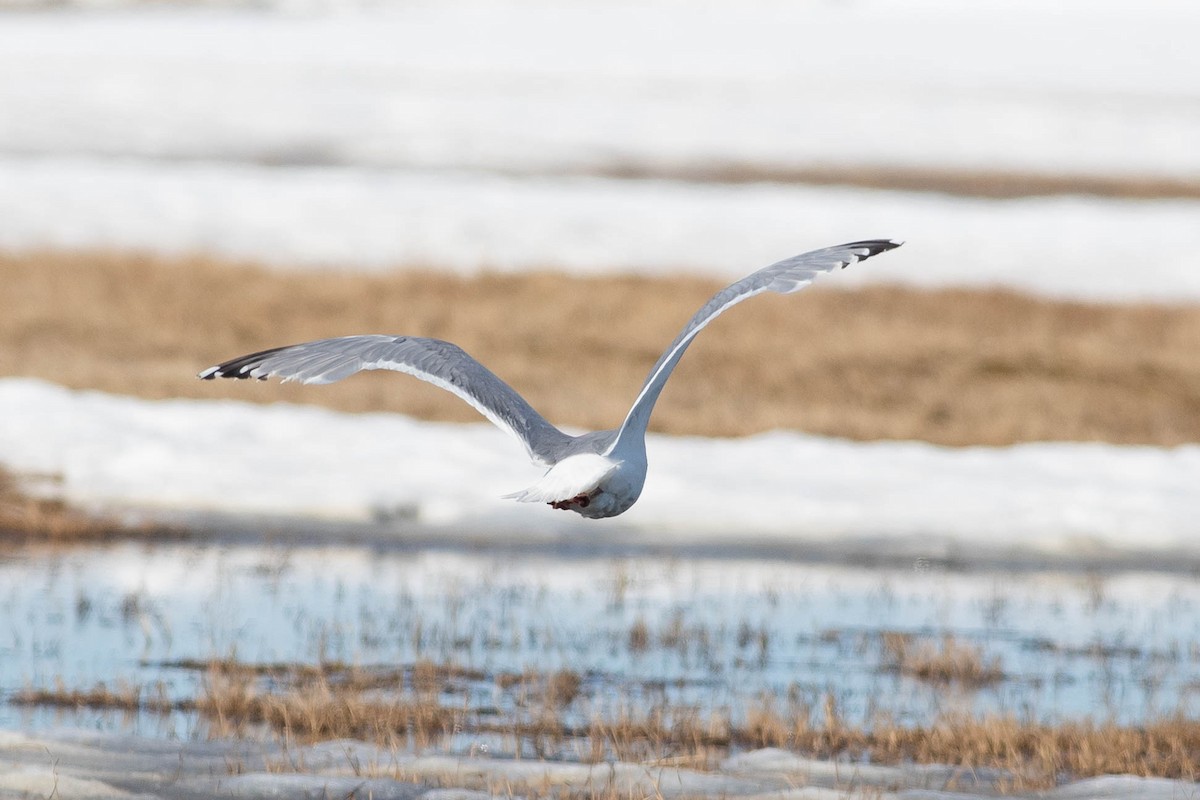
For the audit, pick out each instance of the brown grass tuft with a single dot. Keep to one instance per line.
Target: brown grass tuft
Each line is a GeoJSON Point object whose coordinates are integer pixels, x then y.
{"type": "Point", "coordinates": [123, 696]}
{"type": "Point", "coordinates": [947, 661]}
{"type": "Point", "coordinates": [315, 709]}
{"type": "Point", "coordinates": [639, 636]}
{"type": "Point", "coordinates": [955, 367]}
{"type": "Point", "coordinates": [304, 703]}
{"type": "Point", "coordinates": [559, 688]}
{"type": "Point", "coordinates": [25, 517]}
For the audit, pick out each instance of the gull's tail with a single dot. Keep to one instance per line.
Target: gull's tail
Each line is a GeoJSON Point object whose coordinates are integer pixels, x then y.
{"type": "Point", "coordinates": [571, 477]}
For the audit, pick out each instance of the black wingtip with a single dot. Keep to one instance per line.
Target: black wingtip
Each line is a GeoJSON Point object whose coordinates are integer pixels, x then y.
{"type": "Point", "coordinates": [876, 246]}
{"type": "Point", "coordinates": [873, 247]}
{"type": "Point", "coordinates": [239, 368]}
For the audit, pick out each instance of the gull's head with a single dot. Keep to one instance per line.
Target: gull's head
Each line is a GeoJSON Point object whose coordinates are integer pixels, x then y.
{"type": "Point", "coordinates": [599, 503]}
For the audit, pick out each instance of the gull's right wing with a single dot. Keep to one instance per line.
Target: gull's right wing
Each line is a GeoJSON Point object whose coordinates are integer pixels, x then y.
{"type": "Point", "coordinates": [784, 277]}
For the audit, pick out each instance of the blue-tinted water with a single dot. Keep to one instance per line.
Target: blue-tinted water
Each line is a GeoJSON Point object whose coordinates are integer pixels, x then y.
{"type": "Point", "coordinates": [718, 632]}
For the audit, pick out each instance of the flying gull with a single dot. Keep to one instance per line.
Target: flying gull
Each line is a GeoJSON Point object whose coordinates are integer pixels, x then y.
{"type": "Point", "coordinates": [598, 474]}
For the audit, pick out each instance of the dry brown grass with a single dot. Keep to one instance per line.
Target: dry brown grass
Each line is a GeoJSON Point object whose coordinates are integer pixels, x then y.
{"type": "Point", "coordinates": [1033, 755]}
{"type": "Point", "coordinates": [306, 704]}
{"type": "Point", "coordinates": [553, 690]}
{"type": "Point", "coordinates": [122, 696]}
{"type": "Point", "coordinates": [953, 367]}
{"type": "Point", "coordinates": [945, 661]}
{"type": "Point", "coordinates": [25, 517]}
{"type": "Point", "coordinates": [955, 181]}
{"type": "Point", "coordinates": [314, 709]}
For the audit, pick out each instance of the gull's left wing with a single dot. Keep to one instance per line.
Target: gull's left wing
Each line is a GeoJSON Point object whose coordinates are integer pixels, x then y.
{"type": "Point", "coordinates": [441, 363]}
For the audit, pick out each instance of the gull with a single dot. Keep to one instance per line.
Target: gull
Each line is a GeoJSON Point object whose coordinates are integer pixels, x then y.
{"type": "Point", "coordinates": [597, 474]}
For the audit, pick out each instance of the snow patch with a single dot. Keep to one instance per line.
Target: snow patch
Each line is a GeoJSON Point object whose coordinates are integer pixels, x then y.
{"type": "Point", "coordinates": [786, 487]}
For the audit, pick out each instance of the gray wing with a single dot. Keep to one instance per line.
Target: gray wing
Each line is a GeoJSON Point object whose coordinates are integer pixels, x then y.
{"type": "Point", "coordinates": [441, 363]}
{"type": "Point", "coordinates": [784, 277]}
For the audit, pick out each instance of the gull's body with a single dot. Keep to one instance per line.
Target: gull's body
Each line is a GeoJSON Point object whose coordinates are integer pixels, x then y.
{"type": "Point", "coordinates": [598, 474]}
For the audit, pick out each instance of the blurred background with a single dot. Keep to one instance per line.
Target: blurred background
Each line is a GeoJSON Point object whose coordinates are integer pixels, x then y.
{"type": "Point", "coordinates": [981, 446]}
{"type": "Point", "coordinates": [1045, 148]}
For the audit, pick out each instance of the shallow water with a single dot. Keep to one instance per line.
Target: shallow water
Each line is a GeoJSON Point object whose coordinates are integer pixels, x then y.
{"type": "Point", "coordinates": [719, 632]}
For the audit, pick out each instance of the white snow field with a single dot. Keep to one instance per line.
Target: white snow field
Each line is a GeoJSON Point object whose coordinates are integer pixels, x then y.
{"type": "Point", "coordinates": [370, 219]}
{"type": "Point", "coordinates": [1071, 87]}
{"type": "Point", "coordinates": [970, 503]}
{"type": "Point", "coordinates": [460, 135]}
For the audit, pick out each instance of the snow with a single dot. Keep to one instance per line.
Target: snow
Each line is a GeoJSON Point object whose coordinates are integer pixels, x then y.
{"type": "Point", "coordinates": [132, 767]}
{"type": "Point", "coordinates": [1066, 498]}
{"type": "Point", "coordinates": [354, 217]}
{"type": "Point", "coordinates": [1078, 88]}
{"type": "Point", "coordinates": [459, 135]}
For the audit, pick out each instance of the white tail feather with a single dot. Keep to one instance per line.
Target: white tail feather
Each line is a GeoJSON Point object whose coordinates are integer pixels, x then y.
{"type": "Point", "coordinates": [569, 478]}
